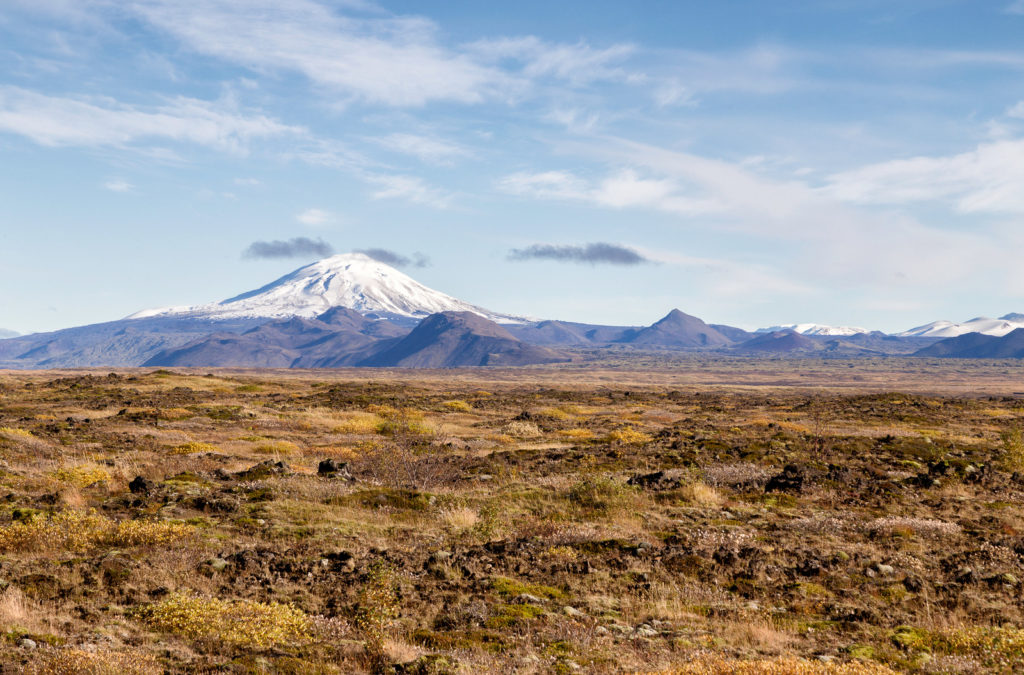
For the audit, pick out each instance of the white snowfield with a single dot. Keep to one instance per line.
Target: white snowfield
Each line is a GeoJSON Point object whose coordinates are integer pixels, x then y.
{"type": "Point", "coordinates": [815, 329]}
{"type": "Point", "coordinates": [982, 324]}
{"type": "Point", "coordinates": [351, 280]}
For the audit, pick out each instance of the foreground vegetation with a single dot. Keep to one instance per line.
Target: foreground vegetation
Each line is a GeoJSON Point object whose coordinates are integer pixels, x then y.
{"type": "Point", "coordinates": [155, 521]}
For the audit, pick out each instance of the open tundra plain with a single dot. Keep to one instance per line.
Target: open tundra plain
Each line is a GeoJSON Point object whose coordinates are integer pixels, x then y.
{"type": "Point", "coordinates": [662, 514]}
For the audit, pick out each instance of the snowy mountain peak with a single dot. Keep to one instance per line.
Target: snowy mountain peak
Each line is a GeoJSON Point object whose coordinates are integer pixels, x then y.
{"type": "Point", "coordinates": [351, 280]}
{"type": "Point", "coordinates": [815, 329]}
{"type": "Point", "coordinates": [982, 324]}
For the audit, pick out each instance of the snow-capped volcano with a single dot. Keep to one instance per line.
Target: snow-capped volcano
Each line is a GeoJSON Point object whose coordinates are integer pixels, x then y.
{"type": "Point", "coordinates": [815, 329]}
{"type": "Point", "coordinates": [351, 280]}
{"type": "Point", "coordinates": [982, 324]}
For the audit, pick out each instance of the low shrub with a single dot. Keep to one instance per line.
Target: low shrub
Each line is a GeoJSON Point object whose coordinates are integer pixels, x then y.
{"type": "Point", "coordinates": [243, 623]}
{"type": "Point", "coordinates": [80, 475]}
{"type": "Point", "coordinates": [628, 436]}
{"type": "Point", "coordinates": [93, 662]}
{"type": "Point", "coordinates": [194, 447]}
{"type": "Point", "coordinates": [82, 530]}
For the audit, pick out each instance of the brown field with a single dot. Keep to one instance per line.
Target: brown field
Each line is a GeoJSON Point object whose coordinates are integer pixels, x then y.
{"type": "Point", "coordinates": [661, 514]}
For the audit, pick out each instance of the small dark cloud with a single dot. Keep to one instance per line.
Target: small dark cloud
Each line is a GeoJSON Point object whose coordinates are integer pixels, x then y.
{"type": "Point", "coordinates": [396, 259]}
{"type": "Point", "coordinates": [594, 254]}
{"type": "Point", "coordinates": [299, 247]}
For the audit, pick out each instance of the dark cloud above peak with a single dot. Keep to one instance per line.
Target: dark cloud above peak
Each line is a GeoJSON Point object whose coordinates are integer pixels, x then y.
{"type": "Point", "coordinates": [298, 247]}
{"type": "Point", "coordinates": [597, 253]}
{"type": "Point", "coordinates": [395, 259]}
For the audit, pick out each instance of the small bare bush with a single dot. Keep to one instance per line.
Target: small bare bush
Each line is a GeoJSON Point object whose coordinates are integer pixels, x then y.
{"type": "Point", "coordinates": [714, 664]}
{"type": "Point", "coordinates": [737, 476]}
{"type": "Point", "coordinates": [521, 429]}
{"type": "Point", "coordinates": [903, 525]}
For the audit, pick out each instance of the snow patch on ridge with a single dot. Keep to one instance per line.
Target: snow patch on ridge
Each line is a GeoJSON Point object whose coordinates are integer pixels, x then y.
{"type": "Point", "coordinates": [982, 324]}
{"type": "Point", "coordinates": [815, 329]}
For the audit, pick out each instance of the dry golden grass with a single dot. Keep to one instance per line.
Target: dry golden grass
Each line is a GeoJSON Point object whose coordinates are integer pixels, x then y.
{"type": "Point", "coordinates": [17, 611]}
{"type": "Point", "coordinates": [719, 665]}
{"type": "Point", "coordinates": [77, 661]}
{"type": "Point", "coordinates": [460, 518]}
{"type": "Point", "coordinates": [703, 495]}
{"type": "Point", "coordinates": [82, 530]}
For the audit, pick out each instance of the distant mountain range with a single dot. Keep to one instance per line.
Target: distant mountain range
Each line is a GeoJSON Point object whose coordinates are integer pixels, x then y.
{"type": "Point", "coordinates": [5, 333]}
{"type": "Point", "coordinates": [981, 324]}
{"type": "Point", "coordinates": [350, 310]}
{"type": "Point", "coordinates": [979, 346]}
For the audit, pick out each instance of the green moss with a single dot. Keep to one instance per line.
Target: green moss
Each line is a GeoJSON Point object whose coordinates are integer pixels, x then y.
{"type": "Point", "coordinates": [911, 638]}
{"type": "Point", "coordinates": [508, 616]}
{"type": "Point", "coordinates": [862, 652]}
{"type": "Point", "coordinates": [510, 588]}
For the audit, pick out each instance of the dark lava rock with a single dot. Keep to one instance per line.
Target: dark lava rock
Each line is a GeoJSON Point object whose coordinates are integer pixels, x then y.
{"type": "Point", "coordinates": [332, 468]}
{"type": "Point", "coordinates": [790, 480]}
{"type": "Point", "coordinates": [140, 486]}
{"type": "Point", "coordinates": [263, 470]}
{"type": "Point", "coordinates": [658, 480]}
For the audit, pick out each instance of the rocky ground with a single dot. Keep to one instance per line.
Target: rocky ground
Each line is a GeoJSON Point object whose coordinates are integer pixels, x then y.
{"type": "Point", "coordinates": [321, 522]}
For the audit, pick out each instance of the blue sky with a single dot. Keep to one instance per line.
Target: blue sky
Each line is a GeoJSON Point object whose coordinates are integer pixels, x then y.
{"type": "Point", "coordinates": [847, 162]}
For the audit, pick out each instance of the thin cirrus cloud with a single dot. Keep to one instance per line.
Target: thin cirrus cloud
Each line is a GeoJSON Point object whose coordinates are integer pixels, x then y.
{"type": "Point", "coordinates": [593, 254]}
{"type": "Point", "coordinates": [118, 186]}
{"type": "Point", "coordinates": [62, 121]}
{"type": "Point", "coordinates": [623, 189]}
{"type": "Point", "coordinates": [314, 217]}
{"type": "Point", "coordinates": [986, 179]}
{"type": "Point", "coordinates": [385, 59]}
{"type": "Point", "coordinates": [389, 257]}
{"type": "Point", "coordinates": [425, 148]}
{"type": "Point", "coordinates": [409, 188]}
{"type": "Point", "coordinates": [298, 247]}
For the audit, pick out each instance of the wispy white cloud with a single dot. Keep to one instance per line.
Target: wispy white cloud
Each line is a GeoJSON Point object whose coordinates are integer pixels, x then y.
{"type": "Point", "coordinates": [61, 121]}
{"type": "Point", "coordinates": [409, 188]}
{"type": "Point", "coordinates": [575, 63]}
{"type": "Point", "coordinates": [833, 242]}
{"type": "Point", "coordinates": [314, 217]}
{"type": "Point", "coordinates": [1015, 7]}
{"type": "Point", "coordinates": [623, 189]}
{"type": "Point", "coordinates": [987, 179]}
{"type": "Point", "coordinates": [425, 148]}
{"type": "Point", "coordinates": [118, 185]}
{"type": "Point", "coordinates": [381, 59]}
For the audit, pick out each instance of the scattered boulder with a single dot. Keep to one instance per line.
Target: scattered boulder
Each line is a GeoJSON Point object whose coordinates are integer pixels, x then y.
{"type": "Point", "coordinates": [658, 480]}
{"type": "Point", "coordinates": [140, 486]}
{"type": "Point", "coordinates": [332, 468]}
{"type": "Point", "coordinates": [263, 470]}
{"type": "Point", "coordinates": [790, 480]}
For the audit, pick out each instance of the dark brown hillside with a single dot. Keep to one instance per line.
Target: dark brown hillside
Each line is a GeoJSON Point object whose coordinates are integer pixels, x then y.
{"type": "Point", "coordinates": [453, 339]}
